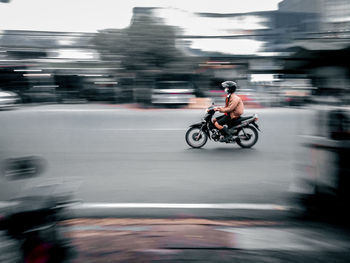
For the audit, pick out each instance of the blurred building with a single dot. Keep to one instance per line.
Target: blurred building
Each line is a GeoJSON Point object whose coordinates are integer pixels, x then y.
{"type": "Point", "coordinates": [321, 54]}
{"type": "Point", "coordinates": [334, 14]}
{"type": "Point", "coordinates": [301, 6]}
{"type": "Point", "coordinates": [55, 67]}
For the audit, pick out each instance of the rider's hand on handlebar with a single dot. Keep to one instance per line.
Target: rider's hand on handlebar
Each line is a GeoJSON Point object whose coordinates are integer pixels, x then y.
{"type": "Point", "coordinates": [217, 109]}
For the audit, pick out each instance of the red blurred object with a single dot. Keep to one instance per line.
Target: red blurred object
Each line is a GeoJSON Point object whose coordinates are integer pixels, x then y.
{"type": "Point", "coordinates": [39, 254]}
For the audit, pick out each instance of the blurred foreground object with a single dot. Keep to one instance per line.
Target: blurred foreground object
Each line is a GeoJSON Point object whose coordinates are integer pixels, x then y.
{"type": "Point", "coordinates": [322, 174]}
{"type": "Point", "coordinates": [31, 219]}
{"type": "Point", "coordinates": [322, 179]}
{"type": "Point", "coordinates": [22, 167]}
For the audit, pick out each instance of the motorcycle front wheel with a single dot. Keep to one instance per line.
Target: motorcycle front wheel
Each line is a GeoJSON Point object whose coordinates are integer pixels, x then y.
{"type": "Point", "coordinates": [196, 138]}
{"type": "Point", "coordinates": [247, 137]}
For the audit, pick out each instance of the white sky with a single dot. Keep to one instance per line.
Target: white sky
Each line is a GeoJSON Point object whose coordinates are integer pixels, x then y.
{"type": "Point", "coordinates": [93, 15]}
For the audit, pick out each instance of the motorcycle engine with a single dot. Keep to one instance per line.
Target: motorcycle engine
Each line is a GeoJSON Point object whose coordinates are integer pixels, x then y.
{"type": "Point", "coordinates": [215, 135]}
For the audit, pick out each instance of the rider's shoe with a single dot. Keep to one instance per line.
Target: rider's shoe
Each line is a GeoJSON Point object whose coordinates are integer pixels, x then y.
{"type": "Point", "coordinates": [227, 139]}
{"type": "Point", "coordinates": [222, 138]}
{"type": "Point", "coordinates": [225, 135]}
{"type": "Point", "coordinates": [224, 131]}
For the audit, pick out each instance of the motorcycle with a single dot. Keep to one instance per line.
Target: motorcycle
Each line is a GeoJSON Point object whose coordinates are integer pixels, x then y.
{"type": "Point", "coordinates": [31, 220]}
{"type": "Point", "coordinates": [244, 132]}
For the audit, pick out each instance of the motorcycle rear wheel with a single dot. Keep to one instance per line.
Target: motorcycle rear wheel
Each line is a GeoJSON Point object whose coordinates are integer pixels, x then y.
{"type": "Point", "coordinates": [196, 138]}
{"type": "Point", "coordinates": [247, 136]}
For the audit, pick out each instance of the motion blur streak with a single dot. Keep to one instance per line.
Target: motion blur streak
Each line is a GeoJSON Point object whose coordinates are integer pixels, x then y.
{"type": "Point", "coordinates": [194, 206]}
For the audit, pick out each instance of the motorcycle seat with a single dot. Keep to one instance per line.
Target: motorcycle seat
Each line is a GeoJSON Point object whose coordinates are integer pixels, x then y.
{"type": "Point", "coordinates": [238, 121]}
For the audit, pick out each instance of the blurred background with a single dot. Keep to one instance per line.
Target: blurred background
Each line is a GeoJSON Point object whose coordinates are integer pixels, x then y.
{"type": "Point", "coordinates": [280, 57]}
{"type": "Point", "coordinates": [105, 91]}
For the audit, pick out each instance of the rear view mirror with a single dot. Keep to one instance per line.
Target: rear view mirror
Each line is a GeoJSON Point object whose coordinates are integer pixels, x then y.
{"type": "Point", "coordinates": [22, 167]}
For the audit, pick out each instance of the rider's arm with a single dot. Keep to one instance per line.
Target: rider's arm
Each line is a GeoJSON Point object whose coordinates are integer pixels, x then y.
{"type": "Point", "coordinates": [231, 106]}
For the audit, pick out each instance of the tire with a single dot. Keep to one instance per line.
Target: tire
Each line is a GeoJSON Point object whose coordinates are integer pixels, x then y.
{"type": "Point", "coordinates": [252, 132]}
{"type": "Point", "coordinates": [190, 138]}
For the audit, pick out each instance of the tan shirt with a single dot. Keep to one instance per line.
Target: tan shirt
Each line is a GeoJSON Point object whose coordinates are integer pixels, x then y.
{"type": "Point", "coordinates": [234, 107]}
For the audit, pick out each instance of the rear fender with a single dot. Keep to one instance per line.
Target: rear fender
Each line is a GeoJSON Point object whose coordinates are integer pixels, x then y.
{"type": "Point", "coordinates": [246, 124]}
{"type": "Point", "coordinates": [256, 126]}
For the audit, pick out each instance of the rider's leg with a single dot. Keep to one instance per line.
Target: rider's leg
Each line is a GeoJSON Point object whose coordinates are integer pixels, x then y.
{"type": "Point", "coordinates": [219, 119]}
{"type": "Point", "coordinates": [217, 125]}
{"type": "Point", "coordinates": [220, 125]}
{"type": "Point", "coordinates": [225, 135]}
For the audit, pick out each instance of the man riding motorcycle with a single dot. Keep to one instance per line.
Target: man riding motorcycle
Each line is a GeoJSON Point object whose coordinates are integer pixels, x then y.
{"type": "Point", "coordinates": [232, 111]}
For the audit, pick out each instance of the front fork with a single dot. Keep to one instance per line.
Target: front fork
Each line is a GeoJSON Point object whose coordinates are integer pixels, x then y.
{"type": "Point", "coordinates": [199, 135]}
{"type": "Point", "coordinates": [202, 129]}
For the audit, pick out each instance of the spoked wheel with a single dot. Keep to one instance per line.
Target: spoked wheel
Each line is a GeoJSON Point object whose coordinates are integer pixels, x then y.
{"type": "Point", "coordinates": [247, 137]}
{"type": "Point", "coordinates": [196, 138]}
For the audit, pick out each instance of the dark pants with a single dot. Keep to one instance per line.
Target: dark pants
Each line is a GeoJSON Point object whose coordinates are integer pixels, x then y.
{"type": "Point", "coordinates": [224, 119]}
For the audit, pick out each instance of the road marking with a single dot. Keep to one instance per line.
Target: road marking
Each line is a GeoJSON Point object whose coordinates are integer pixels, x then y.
{"type": "Point", "coordinates": [143, 129]}
{"type": "Point", "coordinates": [75, 110]}
{"type": "Point", "coordinates": [227, 206]}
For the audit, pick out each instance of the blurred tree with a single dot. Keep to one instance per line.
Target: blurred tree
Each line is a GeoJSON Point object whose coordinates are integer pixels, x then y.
{"type": "Point", "coordinates": [146, 44]}
{"type": "Point", "coordinates": [145, 50]}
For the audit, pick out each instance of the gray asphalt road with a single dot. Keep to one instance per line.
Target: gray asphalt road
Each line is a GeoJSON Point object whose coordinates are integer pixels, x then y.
{"type": "Point", "coordinates": [125, 155]}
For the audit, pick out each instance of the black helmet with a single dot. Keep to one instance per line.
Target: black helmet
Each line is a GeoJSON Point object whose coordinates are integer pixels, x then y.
{"type": "Point", "coordinates": [231, 86]}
